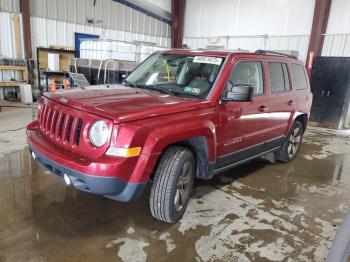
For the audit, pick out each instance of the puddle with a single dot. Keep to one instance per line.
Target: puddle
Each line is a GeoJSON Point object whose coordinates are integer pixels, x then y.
{"type": "Point", "coordinates": [254, 212]}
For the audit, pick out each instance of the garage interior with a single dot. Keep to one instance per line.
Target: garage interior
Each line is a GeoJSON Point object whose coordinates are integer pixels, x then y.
{"type": "Point", "coordinates": [254, 212]}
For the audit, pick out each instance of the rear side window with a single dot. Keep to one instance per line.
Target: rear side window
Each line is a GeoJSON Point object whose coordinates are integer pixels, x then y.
{"type": "Point", "coordinates": [299, 76]}
{"type": "Point", "coordinates": [279, 77]}
{"type": "Point", "coordinates": [249, 73]}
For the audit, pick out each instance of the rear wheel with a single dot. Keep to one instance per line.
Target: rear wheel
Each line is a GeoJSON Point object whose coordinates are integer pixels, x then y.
{"type": "Point", "coordinates": [172, 184]}
{"type": "Point", "coordinates": [291, 145]}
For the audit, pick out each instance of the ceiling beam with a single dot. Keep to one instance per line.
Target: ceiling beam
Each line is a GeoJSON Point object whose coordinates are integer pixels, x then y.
{"type": "Point", "coordinates": [319, 27]}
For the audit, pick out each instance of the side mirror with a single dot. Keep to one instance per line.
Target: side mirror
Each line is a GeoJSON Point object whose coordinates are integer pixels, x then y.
{"type": "Point", "coordinates": [239, 92]}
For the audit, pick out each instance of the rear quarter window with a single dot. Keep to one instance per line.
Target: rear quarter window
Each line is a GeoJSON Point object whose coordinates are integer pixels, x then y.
{"type": "Point", "coordinates": [299, 77]}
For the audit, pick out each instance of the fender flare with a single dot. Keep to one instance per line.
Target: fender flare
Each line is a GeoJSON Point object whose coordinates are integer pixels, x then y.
{"type": "Point", "coordinates": [198, 136]}
{"type": "Point", "coordinates": [295, 116]}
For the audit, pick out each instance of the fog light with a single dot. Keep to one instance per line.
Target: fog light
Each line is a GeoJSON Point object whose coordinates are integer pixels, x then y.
{"type": "Point", "coordinates": [33, 155]}
{"type": "Point", "coordinates": [66, 179]}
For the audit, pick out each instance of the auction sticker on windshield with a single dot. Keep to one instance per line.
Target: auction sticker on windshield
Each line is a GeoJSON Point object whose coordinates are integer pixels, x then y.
{"type": "Point", "coordinates": [207, 60]}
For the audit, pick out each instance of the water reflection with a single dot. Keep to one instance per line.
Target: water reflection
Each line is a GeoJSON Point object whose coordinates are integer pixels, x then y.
{"type": "Point", "coordinates": [39, 214]}
{"type": "Point", "coordinates": [17, 188]}
{"type": "Point", "coordinates": [26, 187]}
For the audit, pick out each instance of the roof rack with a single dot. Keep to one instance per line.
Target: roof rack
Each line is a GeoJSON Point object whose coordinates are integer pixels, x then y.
{"type": "Point", "coordinates": [261, 51]}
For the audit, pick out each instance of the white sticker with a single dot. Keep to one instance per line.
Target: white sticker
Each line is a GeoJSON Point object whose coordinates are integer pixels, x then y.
{"type": "Point", "coordinates": [207, 60]}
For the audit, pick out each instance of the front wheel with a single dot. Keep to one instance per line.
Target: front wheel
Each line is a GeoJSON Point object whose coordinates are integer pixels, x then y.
{"type": "Point", "coordinates": [172, 184]}
{"type": "Point", "coordinates": [291, 145]}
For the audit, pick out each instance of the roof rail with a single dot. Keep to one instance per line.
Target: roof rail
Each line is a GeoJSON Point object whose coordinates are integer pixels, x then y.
{"type": "Point", "coordinates": [261, 51]}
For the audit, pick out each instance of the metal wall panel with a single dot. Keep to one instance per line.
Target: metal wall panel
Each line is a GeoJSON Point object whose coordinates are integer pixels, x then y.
{"type": "Point", "coordinates": [336, 45]}
{"type": "Point", "coordinates": [52, 9]}
{"type": "Point", "coordinates": [127, 19]}
{"type": "Point", "coordinates": [89, 8]}
{"type": "Point", "coordinates": [253, 17]}
{"type": "Point", "coordinates": [337, 38]}
{"type": "Point", "coordinates": [153, 26]}
{"type": "Point", "coordinates": [120, 17]}
{"type": "Point", "coordinates": [7, 46]}
{"type": "Point", "coordinates": [251, 43]}
{"type": "Point", "coordinates": [46, 32]}
{"type": "Point", "coordinates": [98, 11]}
{"type": "Point", "coordinates": [39, 8]}
{"type": "Point", "coordinates": [10, 6]}
{"type": "Point", "coordinates": [134, 24]}
{"type": "Point", "coordinates": [81, 12]}
{"type": "Point", "coordinates": [71, 11]}
{"type": "Point", "coordinates": [62, 10]}
{"type": "Point", "coordinates": [106, 13]}
{"type": "Point", "coordinates": [140, 23]}
{"type": "Point", "coordinates": [339, 19]}
{"type": "Point", "coordinates": [249, 25]}
{"type": "Point", "coordinates": [7, 39]}
{"type": "Point", "coordinates": [163, 4]}
{"type": "Point", "coordinates": [114, 17]}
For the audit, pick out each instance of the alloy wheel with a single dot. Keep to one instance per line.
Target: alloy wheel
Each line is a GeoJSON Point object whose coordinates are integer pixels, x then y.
{"type": "Point", "coordinates": [294, 143]}
{"type": "Point", "coordinates": [183, 187]}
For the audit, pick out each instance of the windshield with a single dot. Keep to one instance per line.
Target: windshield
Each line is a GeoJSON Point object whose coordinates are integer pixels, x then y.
{"type": "Point", "coordinates": [180, 75]}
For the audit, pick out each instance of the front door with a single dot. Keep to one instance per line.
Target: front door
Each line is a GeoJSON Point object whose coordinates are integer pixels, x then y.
{"type": "Point", "coordinates": [243, 124]}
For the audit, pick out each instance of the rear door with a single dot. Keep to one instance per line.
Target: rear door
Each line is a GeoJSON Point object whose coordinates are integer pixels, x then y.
{"type": "Point", "coordinates": [243, 124]}
{"type": "Point", "coordinates": [281, 102]}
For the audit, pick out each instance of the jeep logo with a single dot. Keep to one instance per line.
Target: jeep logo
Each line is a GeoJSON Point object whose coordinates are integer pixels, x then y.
{"type": "Point", "coordinates": [63, 99]}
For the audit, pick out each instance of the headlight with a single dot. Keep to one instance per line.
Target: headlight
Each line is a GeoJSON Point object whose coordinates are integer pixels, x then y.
{"type": "Point", "coordinates": [98, 133]}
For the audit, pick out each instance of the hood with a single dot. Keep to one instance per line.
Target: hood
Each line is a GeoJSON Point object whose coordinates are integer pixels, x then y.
{"type": "Point", "coordinates": [124, 104]}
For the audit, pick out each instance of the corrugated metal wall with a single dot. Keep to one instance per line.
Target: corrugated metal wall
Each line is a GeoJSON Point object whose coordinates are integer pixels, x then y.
{"type": "Point", "coordinates": [7, 35]}
{"type": "Point", "coordinates": [46, 32]}
{"type": "Point", "coordinates": [163, 4]}
{"type": "Point", "coordinates": [299, 43]}
{"type": "Point", "coordinates": [105, 14]}
{"type": "Point", "coordinates": [337, 39]}
{"type": "Point", "coordinates": [10, 6]}
{"type": "Point", "coordinates": [249, 25]}
{"type": "Point", "coordinates": [7, 46]}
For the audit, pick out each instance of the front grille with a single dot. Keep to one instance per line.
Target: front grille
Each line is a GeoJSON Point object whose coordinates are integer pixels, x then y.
{"type": "Point", "coordinates": [62, 127]}
{"type": "Point", "coordinates": [69, 127]}
{"type": "Point", "coordinates": [77, 133]}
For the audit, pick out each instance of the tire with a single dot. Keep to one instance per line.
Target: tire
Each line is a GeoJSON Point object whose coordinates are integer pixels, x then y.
{"type": "Point", "coordinates": [172, 184]}
{"type": "Point", "coordinates": [291, 145]}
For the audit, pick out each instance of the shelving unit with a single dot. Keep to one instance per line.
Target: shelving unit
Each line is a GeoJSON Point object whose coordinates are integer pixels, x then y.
{"type": "Point", "coordinates": [18, 82]}
{"type": "Point", "coordinates": [45, 74]}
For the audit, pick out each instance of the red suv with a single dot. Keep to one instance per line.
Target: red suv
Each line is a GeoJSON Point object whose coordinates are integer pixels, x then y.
{"type": "Point", "coordinates": [180, 115]}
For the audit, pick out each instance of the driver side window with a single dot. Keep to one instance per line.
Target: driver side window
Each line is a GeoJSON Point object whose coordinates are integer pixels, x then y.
{"type": "Point", "coordinates": [248, 73]}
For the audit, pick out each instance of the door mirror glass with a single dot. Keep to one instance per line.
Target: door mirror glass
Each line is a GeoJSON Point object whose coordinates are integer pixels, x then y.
{"type": "Point", "coordinates": [239, 92]}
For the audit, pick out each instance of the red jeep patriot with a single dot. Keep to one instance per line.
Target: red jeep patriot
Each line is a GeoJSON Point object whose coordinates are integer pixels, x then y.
{"type": "Point", "coordinates": [181, 114]}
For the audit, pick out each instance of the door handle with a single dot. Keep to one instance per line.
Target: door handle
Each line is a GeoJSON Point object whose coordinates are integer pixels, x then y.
{"type": "Point", "coordinates": [291, 102]}
{"type": "Point", "coordinates": [263, 108]}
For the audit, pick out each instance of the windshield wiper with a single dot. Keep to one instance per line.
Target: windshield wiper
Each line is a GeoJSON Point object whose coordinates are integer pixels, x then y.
{"type": "Point", "coordinates": [155, 88]}
{"type": "Point", "coordinates": [129, 84]}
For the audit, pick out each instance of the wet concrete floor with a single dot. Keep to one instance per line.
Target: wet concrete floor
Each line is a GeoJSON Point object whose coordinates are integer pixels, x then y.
{"type": "Point", "coordinates": [256, 212]}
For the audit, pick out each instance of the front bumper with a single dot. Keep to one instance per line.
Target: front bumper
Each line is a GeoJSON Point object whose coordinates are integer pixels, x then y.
{"type": "Point", "coordinates": [118, 178]}
{"type": "Point", "coordinates": [110, 187]}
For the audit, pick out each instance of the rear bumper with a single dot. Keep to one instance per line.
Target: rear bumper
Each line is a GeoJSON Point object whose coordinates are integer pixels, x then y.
{"type": "Point", "coordinates": [110, 187]}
